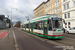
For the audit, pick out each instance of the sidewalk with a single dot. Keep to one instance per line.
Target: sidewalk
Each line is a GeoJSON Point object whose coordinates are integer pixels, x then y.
{"type": "Point", "coordinates": [7, 42]}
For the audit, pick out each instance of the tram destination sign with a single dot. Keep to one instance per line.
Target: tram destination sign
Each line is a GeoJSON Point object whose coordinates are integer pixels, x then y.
{"type": "Point", "coordinates": [56, 18]}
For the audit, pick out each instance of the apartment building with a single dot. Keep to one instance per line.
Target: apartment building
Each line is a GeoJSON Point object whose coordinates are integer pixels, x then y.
{"type": "Point", "coordinates": [4, 22]}
{"type": "Point", "coordinates": [68, 13]}
{"type": "Point", "coordinates": [40, 10]}
{"type": "Point", "coordinates": [53, 7]}
{"type": "Point", "coordinates": [48, 7]}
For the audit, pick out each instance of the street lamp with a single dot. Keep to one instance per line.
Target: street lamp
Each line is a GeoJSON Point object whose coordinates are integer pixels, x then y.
{"type": "Point", "coordinates": [11, 15]}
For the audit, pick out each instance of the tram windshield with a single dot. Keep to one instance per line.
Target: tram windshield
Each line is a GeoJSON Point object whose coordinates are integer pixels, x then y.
{"type": "Point", "coordinates": [57, 23]}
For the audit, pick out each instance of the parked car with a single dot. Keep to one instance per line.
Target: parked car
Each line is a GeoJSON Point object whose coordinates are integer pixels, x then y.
{"type": "Point", "coordinates": [71, 30]}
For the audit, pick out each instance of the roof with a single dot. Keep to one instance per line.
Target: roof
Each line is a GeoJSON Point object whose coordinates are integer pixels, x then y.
{"type": "Point", "coordinates": [41, 4]}
{"type": "Point", "coordinates": [2, 16]}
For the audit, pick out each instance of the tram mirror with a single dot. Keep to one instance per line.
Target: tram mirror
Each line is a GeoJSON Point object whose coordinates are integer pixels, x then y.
{"type": "Point", "coordinates": [49, 21]}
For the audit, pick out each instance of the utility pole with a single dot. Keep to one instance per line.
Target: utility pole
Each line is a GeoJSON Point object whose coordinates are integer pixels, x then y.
{"type": "Point", "coordinates": [8, 26]}
{"type": "Point", "coordinates": [29, 22]}
{"type": "Point", "coordinates": [8, 20]}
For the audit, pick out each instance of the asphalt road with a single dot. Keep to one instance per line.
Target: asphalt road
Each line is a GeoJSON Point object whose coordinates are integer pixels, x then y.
{"type": "Point", "coordinates": [70, 35]}
{"type": "Point", "coordinates": [27, 42]}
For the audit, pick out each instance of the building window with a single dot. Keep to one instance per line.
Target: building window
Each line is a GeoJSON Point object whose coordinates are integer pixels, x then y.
{"type": "Point", "coordinates": [58, 3]}
{"type": "Point", "coordinates": [53, 0]}
{"type": "Point", "coordinates": [68, 15]}
{"type": "Point", "coordinates": [46, 5]}
{"type": "Point", "coordinates": [67, 6]}
{"type": "Point", "coordinates": [68, 24]}
{"type": "Point", "coordinates": [65, 25]}
{"type": "Point", "coordinates": [65, 16]}
{"type": "Point", "coordinates": [74, 3]}
{"type": "Point", "coordinates": [51, 12]}
{"type": "Point", "coordinates": [64, 7]}
{"type": "Point", "coordinates": [56, 10]}
{"type": "Point", "coordinates": [64, 0]}
{"type": "Point", "coordinates": [53, 5]}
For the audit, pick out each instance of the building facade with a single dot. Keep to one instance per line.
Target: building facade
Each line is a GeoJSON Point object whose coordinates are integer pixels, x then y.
{"type": "Point", "coordinates": [68, 11]}
{"type": "Point", "coordinates": [40, 10]}
{"type": "Point", "coordinates": [53, 7]}
{"type": "Point", "coordinates": [4, 22]}
{"type": "Point", "coordinates": [48, 7]}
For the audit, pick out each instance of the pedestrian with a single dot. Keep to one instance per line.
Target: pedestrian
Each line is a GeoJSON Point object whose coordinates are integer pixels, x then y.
{"type": "Point", "coordinates": [63, 30]}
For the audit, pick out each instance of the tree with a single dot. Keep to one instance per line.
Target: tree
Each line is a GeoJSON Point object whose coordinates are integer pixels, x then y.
{"type": "Point", "coordinates": [18, 24]}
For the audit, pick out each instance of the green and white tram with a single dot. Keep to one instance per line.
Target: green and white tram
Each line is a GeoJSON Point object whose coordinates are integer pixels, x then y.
{"type": "Point", "coordinates": [47, 26]}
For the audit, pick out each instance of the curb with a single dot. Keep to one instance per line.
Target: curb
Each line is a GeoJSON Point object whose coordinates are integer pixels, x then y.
{"type": "Point", "coordinates": [16, 44]}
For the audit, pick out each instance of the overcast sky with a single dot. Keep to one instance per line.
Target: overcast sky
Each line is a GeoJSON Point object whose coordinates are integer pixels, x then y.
{"type": "Point", "coordinates": [25, 8]}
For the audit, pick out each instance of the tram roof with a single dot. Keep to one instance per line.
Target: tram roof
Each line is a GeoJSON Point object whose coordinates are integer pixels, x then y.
{"type": "Point", "coordinates": [43, 17]}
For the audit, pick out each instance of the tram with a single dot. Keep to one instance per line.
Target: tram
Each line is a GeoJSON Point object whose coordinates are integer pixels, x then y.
{"type": "Point", "coordinates": [47, 26]}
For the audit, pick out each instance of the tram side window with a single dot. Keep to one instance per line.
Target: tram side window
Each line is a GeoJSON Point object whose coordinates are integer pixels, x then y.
{"type": "Point", "coordinates": [35, 25]}
{"type": "Point", "coordinates": [27, 25]}
{"type": "Point", "coordinates": [49, 25]}
{"type": "Point", "coordinates": [40, 25]}
{"type": "Point", "coordinates": [23, 26]}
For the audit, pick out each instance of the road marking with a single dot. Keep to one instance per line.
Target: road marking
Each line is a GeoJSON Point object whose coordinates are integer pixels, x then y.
{"type": "Point", "coordinates": [16, 44]}
{"type": "Point", "coordinates": [69, 38]}
{"type": "Point", "coordinates": [3, 34]}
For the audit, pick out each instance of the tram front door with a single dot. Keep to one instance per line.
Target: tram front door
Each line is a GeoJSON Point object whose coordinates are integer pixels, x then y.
{"type": "Point", "coordinates": [45, 26]}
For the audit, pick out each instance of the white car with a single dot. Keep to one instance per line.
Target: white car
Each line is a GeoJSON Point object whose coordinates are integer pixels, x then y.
{"type": "Point", "coordinates": [71, 30]}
